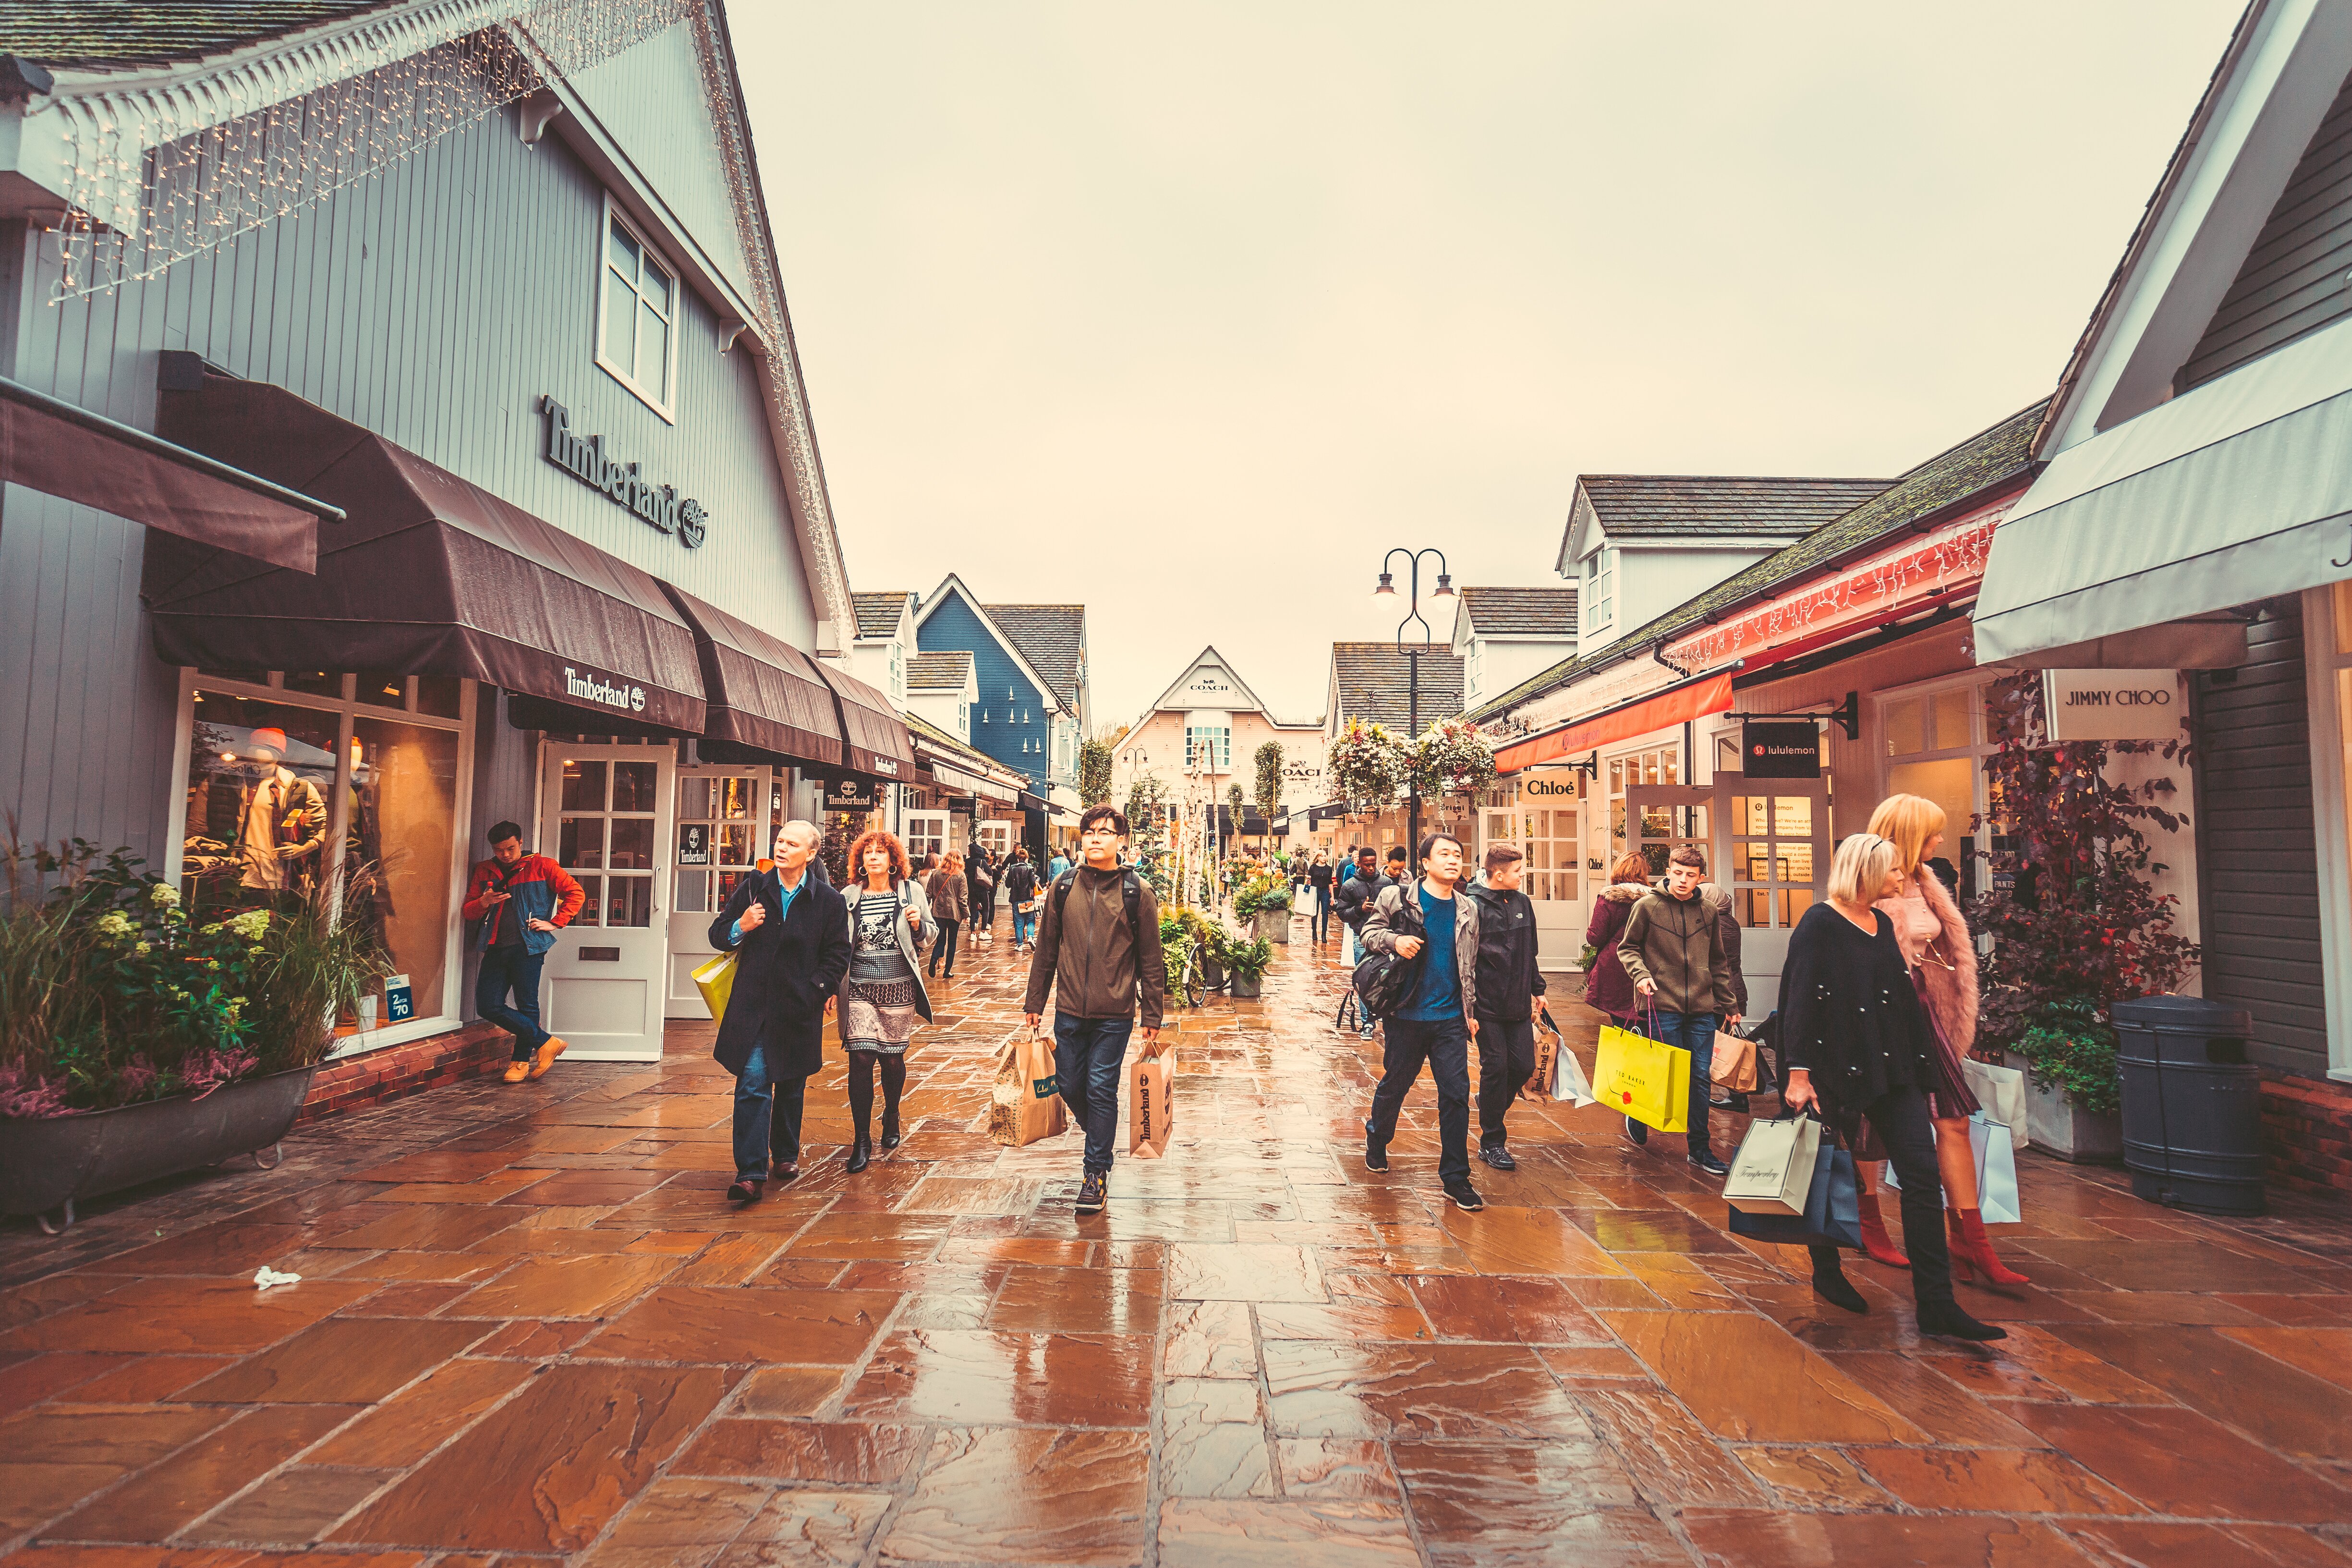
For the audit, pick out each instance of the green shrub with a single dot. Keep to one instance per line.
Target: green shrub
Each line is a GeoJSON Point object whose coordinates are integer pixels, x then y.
{"type": "Point", "coordinates": [2068, 1047]}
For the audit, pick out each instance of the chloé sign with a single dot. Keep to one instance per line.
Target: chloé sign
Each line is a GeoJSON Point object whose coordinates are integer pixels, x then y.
{"type": "Point", "coordinates": [583, 457]}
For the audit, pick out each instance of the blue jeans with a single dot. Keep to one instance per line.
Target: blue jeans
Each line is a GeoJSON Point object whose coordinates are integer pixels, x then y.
{"type": "Point", "coordinates": [1320, 926]}
{"type": "Point", "coordinates": [516, 969]}
{"type": "Point", "coordinates": [766, 1117]}
{"type": "Point", "coordinates": [1694, 1032]}
{"type": "Point", "coordinates": [1089, 1055]}
{"type": "Point", "coordinates": [1022, 924]}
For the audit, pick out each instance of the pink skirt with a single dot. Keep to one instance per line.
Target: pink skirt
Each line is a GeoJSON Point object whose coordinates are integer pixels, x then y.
{"type": "Point", "coordinates": [1948, 1084]}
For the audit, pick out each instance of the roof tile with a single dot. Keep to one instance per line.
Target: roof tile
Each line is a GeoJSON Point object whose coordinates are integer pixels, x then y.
{"type": "Point", "coordinates": [1373, 683]}
{"type": "Point", "coordinates": [1521, 612]}
{"type": "Point", "coordinates": [101, 33]}
{"type": "Point", "coordinates": [1052, 637]}
{"type": "Point", "coordinates": [1733, 506]}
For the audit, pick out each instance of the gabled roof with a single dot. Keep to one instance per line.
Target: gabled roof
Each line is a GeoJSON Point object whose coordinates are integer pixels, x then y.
{"type": "Point", "coordinates": [1991, 457]}
{"type": "Point", "coordinates": [110, 34]}
{"type": "Point", "coordinates": [1726, 507]}
{"type": "Point", "coordinates": [1207, 655]}
{"type": "Point", "coordinates": [1520, 611]}
{"type": "Point", "coordinates": [878, 614]}
{"type": "Point", "coordinates": [938, 671]}
{"type": "Point", "coordinates": [951, 583]}
{"type": "Point", "coordinates": [1372, 684]}
{"type": "Point", "coordinates": [1052, 637]}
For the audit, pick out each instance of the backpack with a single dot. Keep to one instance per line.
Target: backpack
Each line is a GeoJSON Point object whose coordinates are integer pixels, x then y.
{"type": "Point", "coordinates": [1131, 895]}
{"type": "Point", "coordinates": [1383, 980]}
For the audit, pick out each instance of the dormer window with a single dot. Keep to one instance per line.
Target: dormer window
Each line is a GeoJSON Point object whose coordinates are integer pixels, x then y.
{"type": "Point", "coordinates": [636, 337]}
{"type": "Point", "coordinates": [1598, 601]}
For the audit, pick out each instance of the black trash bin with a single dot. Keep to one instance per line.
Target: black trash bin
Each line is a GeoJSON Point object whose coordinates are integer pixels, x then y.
{"type": "Point", "coordinates": [2192, 1104]}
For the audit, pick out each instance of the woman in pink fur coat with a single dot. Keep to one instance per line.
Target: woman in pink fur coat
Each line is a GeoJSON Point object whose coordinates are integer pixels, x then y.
{"type": "Point", "coordinates": [1943, 960]}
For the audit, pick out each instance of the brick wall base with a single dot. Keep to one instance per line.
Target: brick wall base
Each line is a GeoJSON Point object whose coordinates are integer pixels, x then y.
{"type": "Point", "coordinates": [398, 1071]}
{"type": "Point", "coordinates": [2307, 1135]}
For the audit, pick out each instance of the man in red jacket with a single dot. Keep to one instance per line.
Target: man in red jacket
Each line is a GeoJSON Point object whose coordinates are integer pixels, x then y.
{"type": "Point", "coordinates": [522, 901]}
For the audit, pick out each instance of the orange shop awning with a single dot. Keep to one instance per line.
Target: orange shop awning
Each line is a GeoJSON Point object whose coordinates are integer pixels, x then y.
{"type": "Point", "coordinates": [1675, 705]}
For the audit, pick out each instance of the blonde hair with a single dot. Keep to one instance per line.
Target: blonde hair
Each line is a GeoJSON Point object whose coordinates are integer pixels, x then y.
{"type": "Point", "coordinates": [1861, 867]}
{"type": "Point", "coordinates": [1908, 822]}
{"type": "Point", "coordinates": [953, 862]}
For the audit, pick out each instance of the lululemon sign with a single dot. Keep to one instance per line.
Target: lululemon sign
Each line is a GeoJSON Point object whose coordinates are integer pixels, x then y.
{"type": "Point", "coordinates": [2113, 704]}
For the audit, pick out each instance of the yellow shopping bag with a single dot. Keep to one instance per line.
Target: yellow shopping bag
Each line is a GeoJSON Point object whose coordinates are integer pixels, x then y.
{"type": "Point", "coordinates": [1645, 1078]}
{"type": "Point", "coordinates": [715, 981]}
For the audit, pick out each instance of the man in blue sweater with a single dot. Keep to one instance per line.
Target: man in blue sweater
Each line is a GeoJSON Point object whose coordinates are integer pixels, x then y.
{"type": "Point", "coordinates": [1438, 1017]}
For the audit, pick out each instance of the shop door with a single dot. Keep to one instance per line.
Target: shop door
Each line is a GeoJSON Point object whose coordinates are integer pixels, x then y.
{"type": "Point", "coordinates": [925, 835]}
{"type": "Point", "coordinates": [1548, 837]}
{"type": "Point", "coordinates": [1777, 838]}
{"type": "Point", "coordinates": [605, 816]}
{"type": "Point", "coordinates": [715, 841]}
{"type": "Point", "coordinates": [996, 836]}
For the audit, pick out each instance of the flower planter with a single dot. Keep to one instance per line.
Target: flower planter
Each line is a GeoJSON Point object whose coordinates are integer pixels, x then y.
{"type": "Point", "coordinates": [1245, 989]}
{"type": "Point", "coordinates": [2056, 1125]}
{"type": "Point", "coordinates": [53, 1162]}
{"type": "Point", "coordinates": [1274, 924]}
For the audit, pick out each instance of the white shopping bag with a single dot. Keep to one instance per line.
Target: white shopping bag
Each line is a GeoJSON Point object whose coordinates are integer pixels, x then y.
{"type": "Point", "coordinates": [1567, 1080]}
{"type": "Point", "coordinates": [1997, 1199]}
{"type": "Point", "coordinates": [1773, 1171]}
{"type": "Point", "coordinates": [2002, 1091]}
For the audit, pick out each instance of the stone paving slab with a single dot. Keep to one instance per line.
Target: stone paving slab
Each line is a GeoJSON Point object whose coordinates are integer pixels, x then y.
{"type": "Point", "coordinates": [530, 1330]}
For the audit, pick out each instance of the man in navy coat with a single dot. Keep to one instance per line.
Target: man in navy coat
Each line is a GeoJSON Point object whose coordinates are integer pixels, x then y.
{"type": "Point", "coordinates": [791, 931]}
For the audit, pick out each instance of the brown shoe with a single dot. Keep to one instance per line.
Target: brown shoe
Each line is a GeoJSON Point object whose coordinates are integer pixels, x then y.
{"type": "Point", "coordinates": [544, 1057]}
{"type": "Point", "coordinates": [517, 1071]}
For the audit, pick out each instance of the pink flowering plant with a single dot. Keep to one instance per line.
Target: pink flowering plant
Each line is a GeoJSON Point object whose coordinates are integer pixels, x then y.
{"type": "Point", "coordinates": [1451, 757]}
{"type": "Point", "coordinates": [110, 994]}
{"type": "Point", "coordinates": [1370, 765]}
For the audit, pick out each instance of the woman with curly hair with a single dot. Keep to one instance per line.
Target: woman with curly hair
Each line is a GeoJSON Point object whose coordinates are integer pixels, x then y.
{"type": "Point", "coordinates": [882, 994]}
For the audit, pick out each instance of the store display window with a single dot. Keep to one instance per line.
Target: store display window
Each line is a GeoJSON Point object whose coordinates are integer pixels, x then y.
{"type": "Point", "coordinates": [307, 784]}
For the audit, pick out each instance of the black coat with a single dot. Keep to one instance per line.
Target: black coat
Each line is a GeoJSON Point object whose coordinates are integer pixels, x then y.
{"type": "Point", "coordinates": [1849, 1014]}
{"type": "Point", "coordinates": [1508, 979]}
{"type": "Point", "coordinates": [785, 972]}
{"type": "Point", "coordinates": [1354, 899]}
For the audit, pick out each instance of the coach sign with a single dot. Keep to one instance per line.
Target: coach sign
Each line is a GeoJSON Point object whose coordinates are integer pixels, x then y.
{"type": "Point", "coordinates": [2113, 704]}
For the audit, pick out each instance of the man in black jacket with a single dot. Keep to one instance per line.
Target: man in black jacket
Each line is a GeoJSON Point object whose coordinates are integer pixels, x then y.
{"type": "Point", "coordinates": [1360, 884]}
{"type": "Point", "coordinates": [790, 932]}
{"type": "Point", "coordinates": [1510, 990]}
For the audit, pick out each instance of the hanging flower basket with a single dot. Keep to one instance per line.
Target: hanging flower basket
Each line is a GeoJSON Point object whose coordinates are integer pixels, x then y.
{"type": "Point", "coordinates": [1451, 757]}
{"type": "Point", "coordinates": [1369, 764]}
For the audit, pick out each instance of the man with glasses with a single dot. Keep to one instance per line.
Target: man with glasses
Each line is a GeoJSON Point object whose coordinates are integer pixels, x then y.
{"type": "Point", "coordinates": [1427, 924]}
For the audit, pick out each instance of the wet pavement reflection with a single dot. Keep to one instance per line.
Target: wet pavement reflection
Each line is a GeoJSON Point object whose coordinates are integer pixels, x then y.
{"type": "Point", "coordinates": [530, 1328]}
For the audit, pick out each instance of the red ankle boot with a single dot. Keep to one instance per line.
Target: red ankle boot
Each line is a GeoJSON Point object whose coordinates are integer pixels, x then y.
{"type": "Point", "coordinates": [1972, 1250]}
{"type": "Point", "coordinates": [1874, 1239]}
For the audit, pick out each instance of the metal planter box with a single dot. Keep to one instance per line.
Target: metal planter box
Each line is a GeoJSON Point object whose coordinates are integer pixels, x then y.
{"type": "Point", "coordinates": [47, 1164]}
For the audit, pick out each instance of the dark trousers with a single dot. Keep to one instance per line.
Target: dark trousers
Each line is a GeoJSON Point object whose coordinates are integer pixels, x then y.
{"type": "Point", "coordinates": [863, 1066]}
{"type": "Point", "coordinates": [1506, 1060]}
{"type": "Point", "coordinates": [767, 1117]}
{"type": "Point", "coordinates": [1694, 1032]}
{"type": "Point", "coordinates": [1900, 1118]}
{"type": "Point", "coordinates": [1444, 1045]}
{"type": "Point", "coordinates": [1088, 1056]}
{"type": "Point", "coordinates": [1319, 927]}
{"type": "Point", "coordinates": [943, 949]}
{"type": "Point", "coordinates": [512, 969]}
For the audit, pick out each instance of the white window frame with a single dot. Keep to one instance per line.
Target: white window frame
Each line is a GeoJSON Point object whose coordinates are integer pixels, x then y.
{"type": "Point", "coordinates": [1597, 595]}
{"type": "Point", "coordinates": [1980, 746]}
{"type": "Point", "coordinates": [899, 672]}
{"type": "Point", "coordinates": [2324, 670]}
{"type": "Point", "coordinates": [661, 399]}
{"type": "Point", "coordinates": [924, 827]}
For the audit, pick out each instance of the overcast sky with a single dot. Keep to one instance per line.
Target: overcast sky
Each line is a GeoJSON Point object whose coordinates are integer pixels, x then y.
{"type": "Point", "coordinates": [1188, 313]}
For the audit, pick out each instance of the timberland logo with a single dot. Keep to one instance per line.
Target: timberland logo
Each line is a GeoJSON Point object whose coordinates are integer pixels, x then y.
{"type": "Point", "coordinates": [659, 507]}
{"type": "Point", "coordinates": [603, 692]}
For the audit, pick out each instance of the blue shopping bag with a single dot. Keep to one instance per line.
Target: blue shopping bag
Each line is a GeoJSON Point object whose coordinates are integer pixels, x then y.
{"type": "Point", "coordinates": [1833, 1215]}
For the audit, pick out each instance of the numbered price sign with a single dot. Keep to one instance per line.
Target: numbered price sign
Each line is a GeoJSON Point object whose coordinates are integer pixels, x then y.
{"type": "Point", "coordinates": [399, 1001]}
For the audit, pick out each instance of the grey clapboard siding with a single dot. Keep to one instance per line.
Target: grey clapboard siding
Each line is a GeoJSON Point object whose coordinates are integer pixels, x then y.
{"type": "Point", "coordinates": [2257, 850]}
{"type": "Point", "coordinates": [2294, 279]}
{"type": "Point", "coordinates": [434, 304]}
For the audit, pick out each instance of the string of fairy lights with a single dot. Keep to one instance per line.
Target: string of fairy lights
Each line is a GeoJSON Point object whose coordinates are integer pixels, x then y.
{"type": "Point", "coordinates": [159, 177]}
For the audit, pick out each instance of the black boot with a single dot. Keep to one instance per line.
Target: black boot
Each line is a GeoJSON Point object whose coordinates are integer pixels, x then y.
{"type": "Point", "coordinates": [861, 1153]}
{"type": "Point", "coordinates": [1830, 1284]}
{"type": "Point", "coordinates": [1945, 1317]}
{"type": "Point", "coordinates": [891, 1127]}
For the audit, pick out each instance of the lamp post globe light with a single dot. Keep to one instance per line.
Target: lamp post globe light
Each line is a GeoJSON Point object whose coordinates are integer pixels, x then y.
{"type": "Point", "coordinates": [1386, 593]}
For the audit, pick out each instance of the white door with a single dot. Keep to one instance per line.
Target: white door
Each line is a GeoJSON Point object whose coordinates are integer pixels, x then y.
{"type": "Point", "coordinates": [605, 817]}
{"type": "Point", "coordinates": [715, 841]}
{"type": "Point", "coordinates": [927, 833]}
{"type": "Point", "coordinates": [1776, 837]}
{"type": "Point", "coordinates": [996, 836]}
{"type": "Point", "coordinates": [1548, 837]}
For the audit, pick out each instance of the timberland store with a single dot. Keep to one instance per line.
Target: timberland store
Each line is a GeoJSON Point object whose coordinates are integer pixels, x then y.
{"type": "Point", "coordinates": [455, 661]}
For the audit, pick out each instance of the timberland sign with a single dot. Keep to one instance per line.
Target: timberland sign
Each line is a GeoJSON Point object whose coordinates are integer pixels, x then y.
{"type": "Point", "coordinates": [659, 507]}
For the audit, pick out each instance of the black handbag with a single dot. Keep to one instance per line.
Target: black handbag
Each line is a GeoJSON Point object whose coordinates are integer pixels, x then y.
{"type": "Point", "coordinates": [1833, 1215]}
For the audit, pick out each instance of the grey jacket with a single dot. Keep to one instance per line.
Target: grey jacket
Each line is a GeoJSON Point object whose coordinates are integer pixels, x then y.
{"type": "Point", "coordinates": [1379, 936]}
{"type": "Point", "coordinates": [910, 947]}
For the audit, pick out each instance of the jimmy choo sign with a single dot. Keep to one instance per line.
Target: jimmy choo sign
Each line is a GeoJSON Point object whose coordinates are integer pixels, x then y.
{"type": "Point", "coordinates": [583, 457]}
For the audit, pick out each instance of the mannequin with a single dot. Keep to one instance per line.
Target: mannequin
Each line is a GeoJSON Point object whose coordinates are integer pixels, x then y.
{"type": "Point", "coordinates": [282, 819]}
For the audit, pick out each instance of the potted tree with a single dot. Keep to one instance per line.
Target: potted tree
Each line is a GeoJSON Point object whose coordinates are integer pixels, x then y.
{"type": "Point", "coordinates": [136, 1042]}
{"type": "Point", "coordinates": [2075, 922]}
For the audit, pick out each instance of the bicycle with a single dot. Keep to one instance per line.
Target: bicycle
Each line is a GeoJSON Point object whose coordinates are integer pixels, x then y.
{"type": "Point", "coordinates": [1194, 985]}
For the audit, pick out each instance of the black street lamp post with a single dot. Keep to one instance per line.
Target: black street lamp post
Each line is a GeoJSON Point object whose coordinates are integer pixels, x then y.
{"type": "Point", "coordinates": [1387, 591]}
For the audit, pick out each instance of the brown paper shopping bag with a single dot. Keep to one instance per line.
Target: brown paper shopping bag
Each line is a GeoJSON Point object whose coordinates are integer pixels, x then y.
{"type": "Point", "coordinates": [1152, 1104]}
{"type": "Point", "coordinates": [1024, 1103]}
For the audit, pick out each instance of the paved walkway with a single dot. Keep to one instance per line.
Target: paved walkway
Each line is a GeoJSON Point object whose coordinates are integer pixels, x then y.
{"type": "Point", "coordinates": [528, 1327]}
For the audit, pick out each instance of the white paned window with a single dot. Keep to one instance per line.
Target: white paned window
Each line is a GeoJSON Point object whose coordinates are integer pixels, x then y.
{"type": "Point", "coordinates": [1209, 749]}
{"type": "Point", "coordinates": [1600, 596]}
{"type": "Point", "coordinates": [637, 316]}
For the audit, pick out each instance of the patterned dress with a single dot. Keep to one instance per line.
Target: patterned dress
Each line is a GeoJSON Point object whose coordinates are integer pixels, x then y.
{"type": "Point", "coordinates": [879, 1008]}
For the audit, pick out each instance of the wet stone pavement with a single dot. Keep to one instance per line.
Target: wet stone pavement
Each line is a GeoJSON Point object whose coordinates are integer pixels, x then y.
{"type": "Point", "coordinates": [528, 1328]}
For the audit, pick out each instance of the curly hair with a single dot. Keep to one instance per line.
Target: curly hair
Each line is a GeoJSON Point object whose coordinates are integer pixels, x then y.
{"type": "Point", "coordinates": [875, 838]}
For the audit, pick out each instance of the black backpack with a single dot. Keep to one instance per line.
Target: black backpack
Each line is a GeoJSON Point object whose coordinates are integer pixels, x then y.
{"type": "Point", "coordinates": [1383, 980]}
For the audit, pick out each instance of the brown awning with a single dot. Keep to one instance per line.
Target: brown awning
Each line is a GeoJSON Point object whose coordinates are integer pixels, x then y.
{"type": "Point", "coordinates": [431, 575]}
{"type": "Point", "coordinates": [879, 746]}
{"type": "Point", "coordinates": [763, 692]}
{"type": "Point", "coordinates": [55, 447]}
